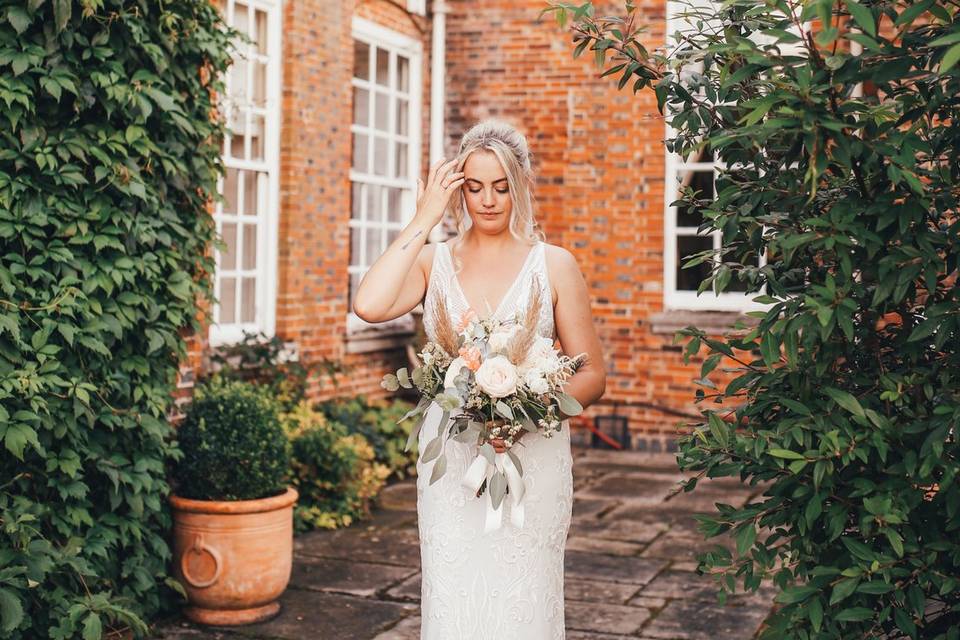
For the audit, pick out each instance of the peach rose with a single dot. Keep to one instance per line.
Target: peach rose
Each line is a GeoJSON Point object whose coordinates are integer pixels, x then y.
{"type": "Point", "coordinates": [471, 355]}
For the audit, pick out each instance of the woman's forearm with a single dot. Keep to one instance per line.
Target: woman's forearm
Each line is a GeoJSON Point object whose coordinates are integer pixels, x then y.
{"type": "Point", "coordinates": [383, 282]}
{"type": "Point", "coordinates": [586, 385]}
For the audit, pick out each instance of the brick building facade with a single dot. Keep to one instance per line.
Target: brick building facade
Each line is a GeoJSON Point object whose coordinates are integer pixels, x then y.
{"type": "Point", "coordinates": [344, 91]}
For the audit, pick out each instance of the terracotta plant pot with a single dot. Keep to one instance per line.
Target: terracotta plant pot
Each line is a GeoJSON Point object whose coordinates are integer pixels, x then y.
{"type": "Point", "coordinates": [233, 557]}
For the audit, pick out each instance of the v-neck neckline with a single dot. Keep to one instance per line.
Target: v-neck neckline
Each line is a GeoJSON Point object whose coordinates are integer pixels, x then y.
{"type": "Point", "coordinates": [506, 296]}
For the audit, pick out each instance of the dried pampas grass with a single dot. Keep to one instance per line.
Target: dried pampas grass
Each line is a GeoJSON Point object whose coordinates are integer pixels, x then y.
{"type": "Point", "coordinates": [520, 344]}
{"type": "Point", "coordinates": [443, 327]}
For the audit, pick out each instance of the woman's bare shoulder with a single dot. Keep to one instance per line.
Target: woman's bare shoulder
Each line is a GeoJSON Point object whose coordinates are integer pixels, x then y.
{"type": "Point", "coordinates": [560, 260]}
{"type": "Point", "coordinates": [561, 267]}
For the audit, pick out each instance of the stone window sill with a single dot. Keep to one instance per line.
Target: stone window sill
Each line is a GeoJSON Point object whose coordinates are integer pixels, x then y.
{"type": "Point", "coordinates": [366, 337]}
{"type": "Point", "coordinates": [711, 322]}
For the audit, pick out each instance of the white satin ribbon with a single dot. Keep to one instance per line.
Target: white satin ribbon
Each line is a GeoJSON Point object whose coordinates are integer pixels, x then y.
{"type": "Point", "coordinates": [481, 469]}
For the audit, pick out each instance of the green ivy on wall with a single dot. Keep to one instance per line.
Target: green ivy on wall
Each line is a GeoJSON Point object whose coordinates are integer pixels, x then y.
{"type": "Point", "coordinates": [109, 157]}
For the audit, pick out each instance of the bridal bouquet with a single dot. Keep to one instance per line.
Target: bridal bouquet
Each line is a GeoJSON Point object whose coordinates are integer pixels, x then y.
{"type": "Point", "coordinates": [491, 380]}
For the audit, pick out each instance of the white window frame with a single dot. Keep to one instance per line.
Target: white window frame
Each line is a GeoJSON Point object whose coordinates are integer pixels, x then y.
{"type": "Point", "coordinates": [418, 7]}
{"type": "Point", "coordinates": [269, 208]}
{"type": "Point", "coordinates": [675, 166]}
{"type": "Point", "coordinates": [384, 38]}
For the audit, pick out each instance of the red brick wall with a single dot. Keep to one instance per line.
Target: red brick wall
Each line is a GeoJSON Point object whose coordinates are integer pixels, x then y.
{"type": "Point", "coordinates": [600, 162]}
{"type": "Point", "coordinates": [599, 157]}
{"type": "Point", "coordinates": [315, 157]}
{"type": "Point", "coordinates": [314, 183]}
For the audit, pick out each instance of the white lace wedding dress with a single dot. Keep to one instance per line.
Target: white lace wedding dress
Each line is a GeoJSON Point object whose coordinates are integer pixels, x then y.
{"type": "Point", "coordinates": [506, 584]}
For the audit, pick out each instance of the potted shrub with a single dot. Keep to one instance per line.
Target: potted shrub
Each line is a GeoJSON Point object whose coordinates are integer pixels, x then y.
{"type": "Point", "coordinates": [232, 507]}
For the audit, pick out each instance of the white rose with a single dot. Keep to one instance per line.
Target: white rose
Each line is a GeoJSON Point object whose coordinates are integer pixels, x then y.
{"type": "Point", "coordinates": [497, 377]}
{"type": "Point", "coordinates": [455, 366]}
{"type": "Point", "coordinates": [500, 338]}
{"type": "Point", "coordinates": [536, 382]}
{"type": "Point", "coordinates": [542, 357]}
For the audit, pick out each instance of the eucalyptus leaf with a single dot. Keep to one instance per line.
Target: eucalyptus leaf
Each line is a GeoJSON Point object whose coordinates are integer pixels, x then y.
{"type": "Point", "coordinates": [516, 461]}
{"type": "Point", "coordinates": [439, 468]}
{"type": "Point", "coordinates": [569, 405]}
{"type": "Point", "coordinates": [433, 449]}
{"type": "Point", "coordinates": [498, 487]}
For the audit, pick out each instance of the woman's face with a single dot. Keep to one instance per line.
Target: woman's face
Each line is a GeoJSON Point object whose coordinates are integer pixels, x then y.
{"type": "Point", "coordinates": [486, 192]}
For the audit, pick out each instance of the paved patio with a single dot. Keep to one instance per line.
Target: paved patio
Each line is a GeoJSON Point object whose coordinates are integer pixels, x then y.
{"type": "Point", "coordinates": [630, 565]}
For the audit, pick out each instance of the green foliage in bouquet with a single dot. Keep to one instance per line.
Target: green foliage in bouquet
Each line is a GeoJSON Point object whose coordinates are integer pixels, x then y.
{"type": "Point", "coordinates": [840, 154]}
{"type": "Point", "coordinates": [335, 472]}
{"type": "Point", "coordinates": [109, 158]}
{"type": "Point", "coordinates": [233, 444]}
{"type": "Point", "coordinates": [381, 423]}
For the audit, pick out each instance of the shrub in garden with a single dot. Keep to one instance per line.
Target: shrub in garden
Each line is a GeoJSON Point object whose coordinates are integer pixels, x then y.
{"type": "Point", "coordinates": [234, 447]}
{"type": "Point", "coordinates": [378, 421]}
{"type": "Point", "coordinates": [334, 471]}
{"type": "Point", "coordinates": [108, 160]}
{"type": "Point", "coordinates": [841, 159]}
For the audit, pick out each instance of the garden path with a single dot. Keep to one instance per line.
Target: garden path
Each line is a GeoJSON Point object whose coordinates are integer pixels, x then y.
{"type": "Point", "coordinates": [630, 565]}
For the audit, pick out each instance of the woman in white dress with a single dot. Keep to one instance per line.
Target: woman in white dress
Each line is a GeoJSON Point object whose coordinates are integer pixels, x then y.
{"type": "Point", "coordinates": [480, 584]}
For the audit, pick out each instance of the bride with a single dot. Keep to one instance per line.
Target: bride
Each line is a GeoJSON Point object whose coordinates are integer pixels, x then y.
{"type": "Point", "coordinates": [507, 582]}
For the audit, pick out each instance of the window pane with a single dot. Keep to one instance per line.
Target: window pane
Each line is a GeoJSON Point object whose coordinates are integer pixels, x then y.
{"type": "Point", "coordinates": [702, 183]}
{"type": "Point", "coordinates": [383, 67]}
{"type": "Point", "coordinates": [374, 213]}
{"type": "Point", "coordinates": [241, 18]}
{"type": "Point", "coordinates": [394, 205]}
{"type": "Point", "coordinates": [249, 259]}
{"type": "Point", "coordinates": [361, 60]}
{"type": "Point", "coordinates": [403, 73]}
{"type": "Point", "coordinates": [381, 117]}
{"type": "Point", "coordinates": [259, 84]}
{"type": "Point", "coordinates": [401, 164]}
{"type": "Point", "coordinates": [227, 312]}
{"type": "Point", "coordinates": [392, 235]}
{"type": "Point", "coordinates": [230, 191]}
{"type": "Point", "coordinates": [356, 195]}
{"type": "Point", "coordinates": [374, 236]}
{"type": "Point", "coordinates": [251, 192]}
{"type": "Point", "coordinates": [690, 279]}
{"type": "Point", "coordinates": [361, 106]}
{"type": "Point", "coordinates": [260, 32]}
{"type": "Point", "coordinates": [380, 155]}
{"type": "Point", "coordinates": [238, 126]}
{"type": "Point", "coordinates": [403, 115]}
{"type": "Point", "coordinates": [356, 235]}
{"type": "Point", "coordinates": [360, 153]}
{"type": "Point", "coordinates": [228, 258]}
{"type": "Point", "coordinates": [248, 301]}
{"type": "Point", "coordinates": [237, 78]}
{"type": "Point", "coordinates": [256, 137]}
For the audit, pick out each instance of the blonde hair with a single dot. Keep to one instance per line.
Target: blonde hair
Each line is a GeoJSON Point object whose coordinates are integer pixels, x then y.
{"type": "Point", "coordinates": [510, 147]}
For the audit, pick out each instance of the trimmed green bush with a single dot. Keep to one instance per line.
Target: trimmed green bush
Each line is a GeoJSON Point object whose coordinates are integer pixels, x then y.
{"type": "Point", "coordinates": [335, 471]}
{"type": "Point", "coordinates": [233, 444]}
{"type": "Point", "coordinates": [841, 155]}
{"type": "Point", "coordinates": [379, 423]}
{"type": "Point", "coordinates": [108, 161]}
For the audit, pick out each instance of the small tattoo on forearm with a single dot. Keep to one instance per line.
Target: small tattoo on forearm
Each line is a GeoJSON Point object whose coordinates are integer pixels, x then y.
{"type": "Point", "coordinates": [407, 243]}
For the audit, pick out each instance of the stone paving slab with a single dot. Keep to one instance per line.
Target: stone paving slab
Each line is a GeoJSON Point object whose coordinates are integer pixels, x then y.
{"type": "Point", "coordinates": [364, 579]}
{"type": "Point", "coordinates": [605, 618]}
{"type": "Point", "coordinates": [630, 565]}
{"type": "Point", "coordinates": [309, 615]}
